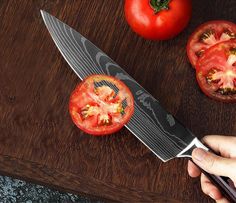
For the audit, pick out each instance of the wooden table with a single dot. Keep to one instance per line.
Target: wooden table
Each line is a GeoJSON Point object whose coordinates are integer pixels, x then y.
{"type": "Point", "coordinates": [38, 141]}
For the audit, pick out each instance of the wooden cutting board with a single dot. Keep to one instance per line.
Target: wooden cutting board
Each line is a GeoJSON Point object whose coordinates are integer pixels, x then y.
{"type": "Point", "coordinates": [39, 142]}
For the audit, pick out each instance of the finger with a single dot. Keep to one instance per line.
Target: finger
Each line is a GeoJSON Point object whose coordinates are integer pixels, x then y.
{"type": "Point", "coordinates": [193, 170]}
{"type": "Point", "coordinates": [225, 145]}
{"type": "Point", "coordinates": [222, 200]}
{"type": "Point", "coordinates": [214, 164]}
{"type": "Point", "coordinates": [209, 189]}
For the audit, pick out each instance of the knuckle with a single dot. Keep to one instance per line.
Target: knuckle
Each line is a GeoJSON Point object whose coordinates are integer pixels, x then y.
{"type": "Point", "coordinates": [211, 162]}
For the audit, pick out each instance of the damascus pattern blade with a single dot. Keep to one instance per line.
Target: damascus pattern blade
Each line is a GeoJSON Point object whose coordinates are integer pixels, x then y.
{"type": "Point", "coordinates": [151, 124]}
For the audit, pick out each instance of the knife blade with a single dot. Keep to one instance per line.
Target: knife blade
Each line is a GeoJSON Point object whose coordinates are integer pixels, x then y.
{"type": "Point", "coordinates": [156, 128]}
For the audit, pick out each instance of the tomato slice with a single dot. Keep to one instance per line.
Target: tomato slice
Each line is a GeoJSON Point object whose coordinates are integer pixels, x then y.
{"type": "Point", "coordinates": [207, 35]}
{"type": "Point", "coordinates": [216, 71]}
{"type": "Point", "coordinates": [101, 105]}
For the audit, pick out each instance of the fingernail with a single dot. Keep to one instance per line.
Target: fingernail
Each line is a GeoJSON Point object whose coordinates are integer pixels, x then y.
{"type": "Point", "coordinates": [199, 154]}
{"type": "Point", "coordinates": [212, 196]}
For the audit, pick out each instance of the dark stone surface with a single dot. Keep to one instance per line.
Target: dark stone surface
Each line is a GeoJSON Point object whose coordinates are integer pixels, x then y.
{"type": "Point", "coordinates": [14, 190]}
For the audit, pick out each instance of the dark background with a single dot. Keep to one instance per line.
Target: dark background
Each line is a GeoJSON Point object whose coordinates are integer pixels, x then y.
{"type": "Point", "coordinates": [38, 141]}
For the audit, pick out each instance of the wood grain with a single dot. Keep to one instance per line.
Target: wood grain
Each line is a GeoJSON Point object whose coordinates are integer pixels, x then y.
{"type": "Point", "coordinates": [38, 141]}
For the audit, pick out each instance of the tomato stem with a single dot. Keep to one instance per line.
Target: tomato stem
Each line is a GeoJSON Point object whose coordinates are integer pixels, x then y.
{"type": "Point", "coordinates": [159, 5]}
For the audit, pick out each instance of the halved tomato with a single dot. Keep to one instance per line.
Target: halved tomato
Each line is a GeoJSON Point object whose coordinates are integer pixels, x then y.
{"type": "Point", "coordinates": [216, 71]}
{"type": "Point", "coordinates": [207, 35]}
{"type": "Point", "coordinates": [101, 105]}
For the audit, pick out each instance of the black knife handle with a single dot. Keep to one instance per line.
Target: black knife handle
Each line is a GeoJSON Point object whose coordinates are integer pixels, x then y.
{"type": "Point", "coordinates": [221, 182]}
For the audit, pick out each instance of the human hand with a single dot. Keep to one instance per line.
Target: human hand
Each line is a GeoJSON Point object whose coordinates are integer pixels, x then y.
{"type": "Point", "coordinates": [213, 164]}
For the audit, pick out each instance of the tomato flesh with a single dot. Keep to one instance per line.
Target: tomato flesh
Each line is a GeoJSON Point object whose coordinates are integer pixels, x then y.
{"type": "Point", "coordinates": [101, 105]}
{"type": "Point", "coordinates": [207, 35]}
{"type": "Point", "coordinates": [216, 71]}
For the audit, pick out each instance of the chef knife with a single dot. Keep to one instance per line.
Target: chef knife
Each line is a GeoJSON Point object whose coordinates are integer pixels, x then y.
{"type": "Point", "coordinates": [164, 135]}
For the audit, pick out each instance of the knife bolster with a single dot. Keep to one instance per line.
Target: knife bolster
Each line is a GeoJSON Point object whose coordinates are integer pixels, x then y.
{"type": "Point", "coordinates": [187, 152]}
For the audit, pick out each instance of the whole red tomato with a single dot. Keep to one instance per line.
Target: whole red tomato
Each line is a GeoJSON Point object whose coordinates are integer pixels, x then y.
{"type": "Point", "coordinates": [158, 19]}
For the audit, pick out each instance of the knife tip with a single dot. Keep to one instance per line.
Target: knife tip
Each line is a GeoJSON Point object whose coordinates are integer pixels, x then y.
{"type": "Point", "coordinates": [42, 12]}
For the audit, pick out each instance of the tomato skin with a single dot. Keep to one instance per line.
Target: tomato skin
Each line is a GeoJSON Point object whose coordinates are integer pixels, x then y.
{"type": "Point", "coordinates": [216, 57]}
{"type": "Point", "coordinates": [80, 97]}
{"type": "Point", "coordinates": [163, 25]}
{"type": "Point", "coordinates": [193, 40]}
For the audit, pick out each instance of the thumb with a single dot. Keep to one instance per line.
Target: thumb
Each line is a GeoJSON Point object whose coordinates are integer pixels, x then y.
{"type": "Point", "coordinates": [214, 164]}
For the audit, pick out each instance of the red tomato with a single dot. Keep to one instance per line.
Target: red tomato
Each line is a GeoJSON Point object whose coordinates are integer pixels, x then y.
{"type": "Point", "coordinates": [216, 71]}
{"type": "Point", "coordinates": [207, 35]}
{"type": "Point", "coordinates": [101, 105]}
{"type": "Point", "coordinates": [158, 20]}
